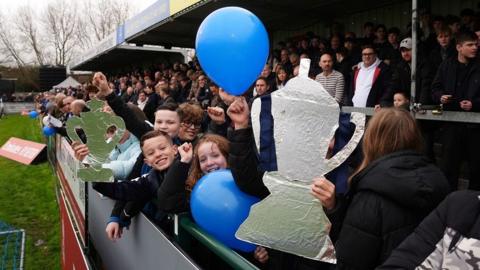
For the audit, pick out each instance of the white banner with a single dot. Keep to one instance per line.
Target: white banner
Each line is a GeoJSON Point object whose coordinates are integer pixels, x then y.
{"type": "Point", "coordinates": [69, 166]}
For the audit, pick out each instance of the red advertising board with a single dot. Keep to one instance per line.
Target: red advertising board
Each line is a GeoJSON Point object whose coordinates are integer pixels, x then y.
{"type": "Point", "coordinates": [20, 150]}
{"type": "Point", "coordinates": [72, 255]}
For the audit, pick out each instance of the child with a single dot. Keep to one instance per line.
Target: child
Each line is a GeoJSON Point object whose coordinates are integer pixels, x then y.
{"type": "Point", "coordinates": [211, 154]}
{"type": "Point", "coordinates": [160, 183]}
{"type": "Point", "coordinates": [401, 101]}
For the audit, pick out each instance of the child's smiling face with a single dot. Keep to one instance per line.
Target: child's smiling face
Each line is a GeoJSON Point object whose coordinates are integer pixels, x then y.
{"type": "Point", "coordinates": [210, 158]}
{"type": "Point", "coordinates": [159, 152]}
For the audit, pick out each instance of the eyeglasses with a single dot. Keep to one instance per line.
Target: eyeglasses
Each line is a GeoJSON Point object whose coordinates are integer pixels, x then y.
{"type": "Point", "coordinates": [191, 125]}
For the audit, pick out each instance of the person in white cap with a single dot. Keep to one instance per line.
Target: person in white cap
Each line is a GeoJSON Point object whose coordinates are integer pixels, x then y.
{"type": "Point", "coordinates": [402, 74]}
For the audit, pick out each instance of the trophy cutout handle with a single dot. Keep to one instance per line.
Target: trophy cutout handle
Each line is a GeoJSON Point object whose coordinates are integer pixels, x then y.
{"type": "Point", "coordinates": [359, 120]}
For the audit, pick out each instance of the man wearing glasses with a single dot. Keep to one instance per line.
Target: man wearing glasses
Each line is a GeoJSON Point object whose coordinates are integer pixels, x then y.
{"type": "Point", "coordinates": [371, 84]}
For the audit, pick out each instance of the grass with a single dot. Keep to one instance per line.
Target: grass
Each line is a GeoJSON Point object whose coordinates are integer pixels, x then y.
{"type": "Point", "coordinates": [27, 197]}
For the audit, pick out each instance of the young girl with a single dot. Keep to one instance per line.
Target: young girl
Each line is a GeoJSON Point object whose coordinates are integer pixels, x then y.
{"type": "Point", "coordinates": [394, 188]}
{"type": "Point", "coordinates": [281, 79]}
{"type": "Point", "coordinates": [210, 154]}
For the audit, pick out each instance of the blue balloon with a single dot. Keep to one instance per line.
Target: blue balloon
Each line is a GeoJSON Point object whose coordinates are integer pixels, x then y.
{"type": "Point", "coordinates": [33, 114]}
{"type": "Point", "coordinates": [219, 207]}
{"type": "Point", "coordinates": [48, 131]}
{"type": "Point", "coordinates": [232, 47]}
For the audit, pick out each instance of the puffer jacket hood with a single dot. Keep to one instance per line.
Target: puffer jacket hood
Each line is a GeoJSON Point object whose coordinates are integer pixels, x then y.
{"type": "Point", "coordinates": [405, 177]}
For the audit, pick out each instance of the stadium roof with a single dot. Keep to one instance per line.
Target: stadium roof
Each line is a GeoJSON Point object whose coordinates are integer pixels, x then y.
{"type": "Point", "coordinates": [175, 23]}
{"type": "Point", "coordinates": [128, 55]}
{"type": "Point", "coordinates": [180, 29]}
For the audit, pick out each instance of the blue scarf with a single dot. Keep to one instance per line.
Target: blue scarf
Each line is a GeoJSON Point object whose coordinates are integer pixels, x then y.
{"type": "Point", "coordinates": [267, 155]}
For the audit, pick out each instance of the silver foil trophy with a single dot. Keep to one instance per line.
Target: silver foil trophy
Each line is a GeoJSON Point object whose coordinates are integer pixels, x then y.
{"type": "Point", "coordinates": [95, 124]}
{"type": "Point", "coordinates": [290, 219]}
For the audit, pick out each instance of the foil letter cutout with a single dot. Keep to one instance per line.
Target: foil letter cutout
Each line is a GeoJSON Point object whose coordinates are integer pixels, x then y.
{"type": "Point", "coordinates": [95, 123]}
{"type": "Point", "coordinates": [290, 219]}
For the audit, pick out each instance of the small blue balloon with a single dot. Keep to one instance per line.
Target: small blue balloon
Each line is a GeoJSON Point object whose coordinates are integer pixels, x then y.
{"type": "Point", "coordinates": [33, 114]}
{"type": "Point", "coordinates": [48, 131]}
{"type": "Point", "coordinates": [232, 47]}
{"type": "Point", "coordinates": [219, 207]}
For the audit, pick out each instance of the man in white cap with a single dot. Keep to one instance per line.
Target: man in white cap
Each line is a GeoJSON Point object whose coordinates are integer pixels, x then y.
{"type": "Point", "coordinates": [402, 74]}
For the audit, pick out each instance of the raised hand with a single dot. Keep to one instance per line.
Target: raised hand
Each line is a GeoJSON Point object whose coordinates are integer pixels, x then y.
{"type": "Point", "coordinates": [239, 113]}
{"type": "Point", "coordinates": [186, 152]}
{"type": "Point", "coordinates": [217, 115]}
{"type": "Point", "coordinates": [100, 81]}
{"type": "Point", "coordinates": [324, 190]}
{"type": "Point", "coordinates": [80, 149]}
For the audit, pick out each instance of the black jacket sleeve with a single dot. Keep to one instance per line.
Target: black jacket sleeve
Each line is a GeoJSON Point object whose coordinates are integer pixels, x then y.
{"type": "Point", "coordinates": [386, 99]}
{"type": "Point", "coordinates": [426, 73]}
{"type": "Point", "coordinates": [412, 252]}
{"type": "Point", "coordinates": [139, 189]}
{"type": "Point", "coordinates": [474, 89]}
{"type": "Point", "coordinates": [438, 87]}
{"type": "Point", "coordinates": [132, 123]}
{"type": "Point", "coordinates": [337, 215]}
{"type": "Point", "coordinates": [118, 208]}
{"type": "Point", "coordinates": [244, 164]}
{"type": "Point", "coordinates": [131, 209]}
{"type": "Point", "coordinates": [218, 129]}
{"type": "Point", "coordinates": [359, 244]}
{"type": "Point", "coordinates": [172, 195]}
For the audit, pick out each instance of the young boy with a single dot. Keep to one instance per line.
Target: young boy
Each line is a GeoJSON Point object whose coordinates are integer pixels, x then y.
{"type": "Point", "coordinates": [159, 152]}
{"type": "Point", "coordinates": [401, 101]}
{"type": "Point", "coordinates": [160, 184]}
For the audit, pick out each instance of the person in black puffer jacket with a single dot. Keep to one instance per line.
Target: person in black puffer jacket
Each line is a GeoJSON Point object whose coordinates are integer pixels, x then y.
{"type": "Point", "coordinates": [394, 188]}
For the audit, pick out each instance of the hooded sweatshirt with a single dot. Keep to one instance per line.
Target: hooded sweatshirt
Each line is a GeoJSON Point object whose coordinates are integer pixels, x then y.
{"type": "Point", "coordinates": [364, 83]}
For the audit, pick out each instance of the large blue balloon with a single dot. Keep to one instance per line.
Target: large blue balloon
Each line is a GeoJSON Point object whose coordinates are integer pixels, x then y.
{"type": "Point", "coordinates": [48, 131]}
{"type": "Point", "coordinates": [232, 46]}
{"type": "Point", "coordinates": [33, 114]}
{"type": "Point", "coordinates": [219, 207]}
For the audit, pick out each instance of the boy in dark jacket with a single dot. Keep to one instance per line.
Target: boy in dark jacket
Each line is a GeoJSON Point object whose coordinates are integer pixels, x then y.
{"type": "Point", "coordinates": [160, 184]}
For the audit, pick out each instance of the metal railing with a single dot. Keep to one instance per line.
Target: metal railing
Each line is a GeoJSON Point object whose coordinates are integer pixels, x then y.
{"type": "Point", "coordinates": [187, 226]}
{"type": "Point", "coordinates": [428, 113]}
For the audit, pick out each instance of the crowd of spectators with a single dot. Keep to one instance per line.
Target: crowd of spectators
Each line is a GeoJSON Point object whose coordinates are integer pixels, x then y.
{"type": "Point", "coordinates": [185, 118]}
{"type": "Point", "coordinates": [18, 97]}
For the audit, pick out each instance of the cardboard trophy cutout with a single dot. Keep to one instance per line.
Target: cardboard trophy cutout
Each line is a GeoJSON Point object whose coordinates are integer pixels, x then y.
{"type": "Point", "coordinates": [290, 219]}
{"type": "Point", "coordinates": [95, 124]}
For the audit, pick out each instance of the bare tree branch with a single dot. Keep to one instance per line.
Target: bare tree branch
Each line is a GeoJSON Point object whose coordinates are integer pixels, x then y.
{"type": "Point", "coordinates": [61, 21]}
{"type": "Point", "coordinates": [8, 43]}
{"type": "Point", "coordinates": [26, 24]}
{"type": "Point", "coordinates": [105, 15]}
